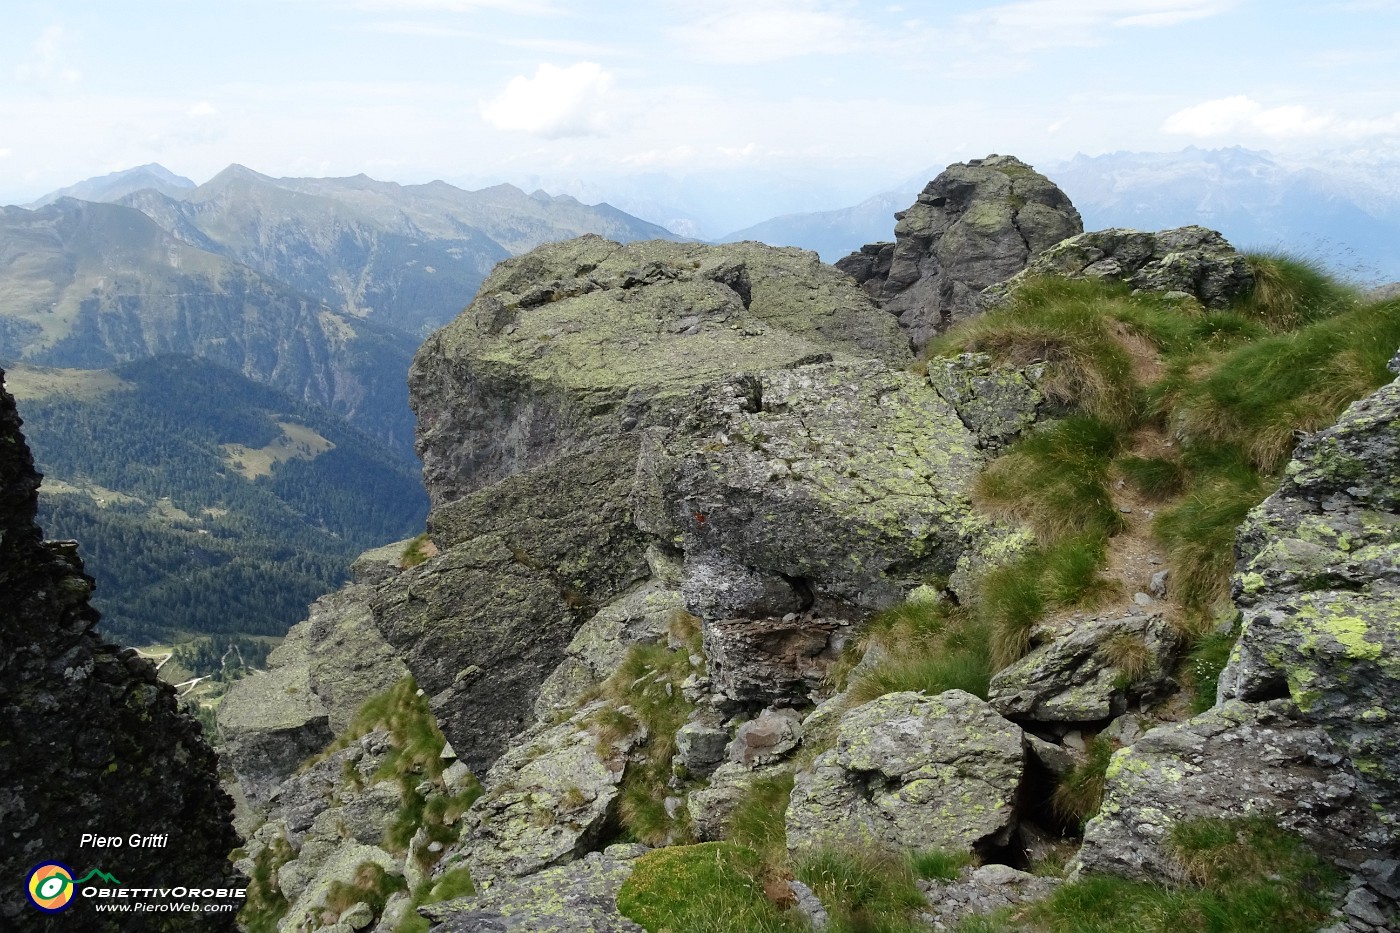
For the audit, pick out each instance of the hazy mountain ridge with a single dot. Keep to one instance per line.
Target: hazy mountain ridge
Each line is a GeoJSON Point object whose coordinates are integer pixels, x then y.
{"type": "Point", "coordinates": [89, 285]}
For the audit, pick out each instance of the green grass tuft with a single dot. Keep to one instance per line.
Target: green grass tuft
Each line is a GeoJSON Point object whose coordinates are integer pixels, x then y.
{"type": "Point", "coordinates": [1205, 662]}
{"type": "Point", "coordinates": [927, 646]}
{"type": "Point", "coordinates": [863, 891]}
{"type": "Point", "coordinates": [1290, 292]}
{"type": "Point", "coordinates": [1079, 794]}
{"type": "Point", "coordinates": [714, 887]}
{"type": "Point", "coordinates": [943, 865]}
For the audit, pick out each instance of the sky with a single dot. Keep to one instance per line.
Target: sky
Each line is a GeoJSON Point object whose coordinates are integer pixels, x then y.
{"type": "Point", "coordinates": [853, 96]}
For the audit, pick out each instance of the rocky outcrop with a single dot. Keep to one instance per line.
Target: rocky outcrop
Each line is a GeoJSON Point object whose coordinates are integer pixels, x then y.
{"type": "Point", "coordinates": [583, 340]}
{"type": "Point", "coordinates": [976, 224]}
{"type": "Point", "coordinates": [1235, 759]}
{"type": "Point", "coordinates": [1190, 261]}
{"type": "Point", "coordinates": [997, 404]}
{"type": "Point", "coordinates": [912, 773]}
{"type": "Point", "coordinates": [91, 741]}
{"type": "Point", "coordinates": [524, 565]}
{"type": "Point", "coordinates": [576, 898]}
{"type": "Point", "coordinates": [1318, 586]}
{"type": "Point", "coordinates": [1089, 672]}
{"type": "Point", "coordinates": [980, 891]}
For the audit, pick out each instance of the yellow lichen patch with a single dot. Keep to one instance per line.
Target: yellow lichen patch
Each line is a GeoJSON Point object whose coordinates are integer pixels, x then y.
{"type": "Point", "coordinates": [297, 442]}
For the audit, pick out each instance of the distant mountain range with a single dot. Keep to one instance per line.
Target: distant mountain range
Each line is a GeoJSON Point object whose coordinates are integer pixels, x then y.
{"type": "Point", "coordinates": [1342, 210]}
{"type": "Point", "coordinates": [320, 287]}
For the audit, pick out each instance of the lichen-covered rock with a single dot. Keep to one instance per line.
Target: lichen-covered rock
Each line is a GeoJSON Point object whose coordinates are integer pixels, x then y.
{"type": "Point", "coordinates": [718, 587]}
{"type": "Point", "coordinates": [272, 720]}
{"type": "Point", "coordinates": [912, 772]}
{"type": "Point", "coordinates": [341, 866]}
{"type": "Point", "coordinates": [1188, 260]}
{"type": "Point", "coordinates": [701, 745]}
{"type": "Point", "coordinates": [642, 616]}
{"type": "Point", "coordinates": [577, 898]}
{"type": "Point", "coordinates": [976, 224]}
{"type": "Point", "coordinates": [91, 740]}
{"type": "Point", "coordinates": [997, 404]}
{"type": "Point", "coordinates": [525, 564]}
{"type": "Point", "coordinates": [546, 800]}
{"type": "Point", "coordinates": [1235, 759]}
{"type": "Point", "coordinates": [848, 480]}
{"type": "Point", "coordinates": [579, 341]}
{"type": "Point", "coordinates": [1090, 673]}
{"type": "Point", "coordinates": [348, 660]}
{"type": "Point", "coordinates": [1318, 586]}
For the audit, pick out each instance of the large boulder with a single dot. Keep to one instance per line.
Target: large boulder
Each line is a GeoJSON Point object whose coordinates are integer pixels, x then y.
{"type": "Point", "coordinates": [582, 340]}
{"type": "Point", "coordinates": [911, 773]}
{"type": "Point", "coordinates": [1235, 759]}
{"type": "Point", "coordinates": [833, 483]}
{"type": "Point", "coordinates": [1188, 260]}
{"type": "Point", "coordinates": [976, 224]}
{"type": "Point", "coordinates": [1318, 586]}
{"type": "Point", "coordinates": [1089, 672]}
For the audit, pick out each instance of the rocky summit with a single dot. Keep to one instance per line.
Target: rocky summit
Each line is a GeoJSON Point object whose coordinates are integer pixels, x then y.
{"type": "Point", "coordinates": [975, 225]}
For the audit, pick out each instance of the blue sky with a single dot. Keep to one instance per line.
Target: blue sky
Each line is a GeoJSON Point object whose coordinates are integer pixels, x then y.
{"type": "Point", "coordinates": [858, 94]}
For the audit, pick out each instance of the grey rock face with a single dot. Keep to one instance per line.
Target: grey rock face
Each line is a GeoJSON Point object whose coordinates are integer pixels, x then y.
{"type": "Point", "coordinates": [912, 772]}
{"type": "Point", "coordinates": [272, 721]}
{"type": "Point", "coordinates": [980, 891]}
{"type": "Point", "coordinates": [577, 898]}
{"type": "Point", "coordinates": [526, 563]}
{"type": "Point", "coordinates": [545, 802]}
{"type": "Point", "coordinates": [583, 340]}
{"type": "Point", "coordinates": [1234, 759]}
{"type": "Point", "coordinates": [348, 661]}
{"type": "Point", "coordinates": [91, 741]}
{"type": "Point", "coordinates": [1189, 260]}
{"type": "Point", "coordinates": [1090, 673]}
{"type": "Point", "coordinates": [1318, 585]}
{"type": "Point", "coordinates": [700, 747]}
{"type": "Point", "coordinates": [976, 224]}
{"type": "Point", "coordinates": [847, 479]}
{"type": "Point", "coordinates": [996, 404]}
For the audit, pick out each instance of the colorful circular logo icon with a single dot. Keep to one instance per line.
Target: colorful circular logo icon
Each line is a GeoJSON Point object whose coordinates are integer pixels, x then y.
{"type": "Point", "coordinates": [50, 887]}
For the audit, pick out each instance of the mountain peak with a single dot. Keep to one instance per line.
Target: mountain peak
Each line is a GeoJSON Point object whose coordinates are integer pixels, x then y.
{"type": "Point", "coordinates": [116, 185]}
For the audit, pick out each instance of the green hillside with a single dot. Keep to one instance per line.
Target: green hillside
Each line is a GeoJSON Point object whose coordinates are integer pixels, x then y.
{"type": "Point", "coordinates": [206, 503]}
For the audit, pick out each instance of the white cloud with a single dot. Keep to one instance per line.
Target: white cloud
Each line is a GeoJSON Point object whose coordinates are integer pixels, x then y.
{"type": "Point", "coordinates": [47, 63]}
{"type": "Point", "coordinates": [1241, 114]}
{"type": "Point", "coordinates": [556, 102]}
{"type": "Point", "coordinates": [1040, 24]}
{"type": "Point", "coordinates": [202, 109]}
{"type": "Point", "coordinates": [772, 30]}
{"type": "Point", "coordinates": [6, 153]}
{"type": "Point", "coordinates": [528, 7]}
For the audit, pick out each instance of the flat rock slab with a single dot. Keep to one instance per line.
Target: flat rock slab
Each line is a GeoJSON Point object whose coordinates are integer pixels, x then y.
{"type": "Point", "coordinates": [576, 898]}
{"type": "Point", "coordinates": [910, 773]}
